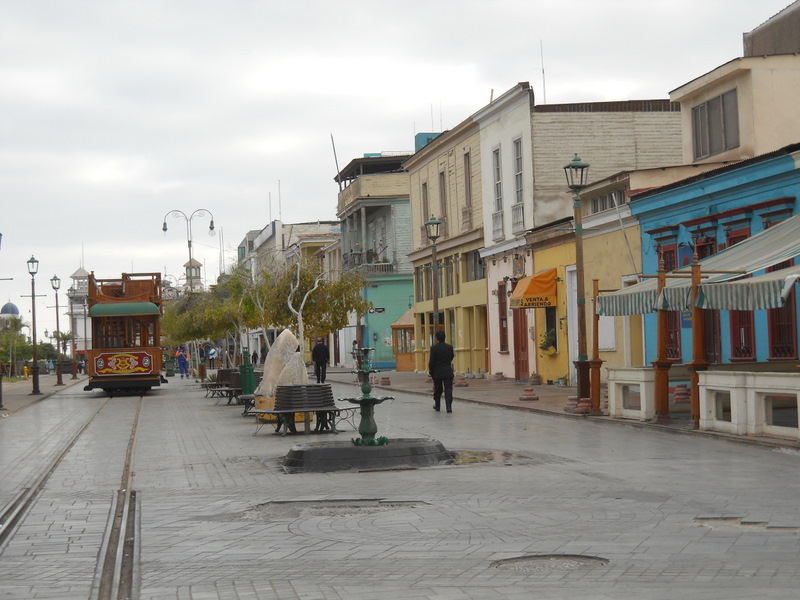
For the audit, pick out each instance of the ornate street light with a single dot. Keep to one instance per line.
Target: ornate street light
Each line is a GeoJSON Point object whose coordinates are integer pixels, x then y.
{"type": "Point", "coordinates": [33, 268]}
{"type": "Point", "coordinates": [56, 283]}
{"type": "Point", "coordinates": [432, 230]}
{"type": "Point", "coordinates": [200, 212]}
{"type": "Point", "coordinates": [577, 173]}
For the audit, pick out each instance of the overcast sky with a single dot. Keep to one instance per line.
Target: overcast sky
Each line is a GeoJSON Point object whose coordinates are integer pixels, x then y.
{"type": "Point", "coordinates": [113, 113]}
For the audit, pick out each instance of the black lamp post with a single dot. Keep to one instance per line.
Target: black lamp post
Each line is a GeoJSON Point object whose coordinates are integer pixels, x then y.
{"type": "Point", "coordinates": [432, 228]}
{"type": "Point", "coordinates": [33, 268]}
{"type": "Point", "coordinates": [577, 173]}
{"type": "Point", "coordinates": [200, 212]}
{"type": "Point", "coordinates": [56, 283]}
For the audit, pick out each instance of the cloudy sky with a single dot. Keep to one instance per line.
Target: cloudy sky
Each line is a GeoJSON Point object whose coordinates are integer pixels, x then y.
{"type": "Point", "coordinates": [114, 112]}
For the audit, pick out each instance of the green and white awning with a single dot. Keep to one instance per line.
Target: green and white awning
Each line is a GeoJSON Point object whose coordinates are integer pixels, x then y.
{"type": "Point", "coordinates": [770, 290]}
{"type": "Point", "coordinates": [765, 249]}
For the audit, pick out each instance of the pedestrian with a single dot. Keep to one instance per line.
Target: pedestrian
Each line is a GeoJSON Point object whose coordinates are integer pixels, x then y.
{"type": "Point", "coordinates": [81, 366]}
{"type": "Point", "coordinates": [254, 358]}
{"type": "Point", "coordinates": [320, 355]}
{"type": "Point", "coordinates": [440, 368]}
{"type": "Point", "coordinates": [263, 352]}
{"type": "Point", "coordinates": [49, 367]}
{"type": "Point", "coordinates": [183, 361]}
{"type": "Point", "coordinates": [212, 357]}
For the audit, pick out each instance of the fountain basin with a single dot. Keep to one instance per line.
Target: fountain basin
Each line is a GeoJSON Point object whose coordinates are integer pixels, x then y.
{"type": "Point", "coordinates": [327, 457]}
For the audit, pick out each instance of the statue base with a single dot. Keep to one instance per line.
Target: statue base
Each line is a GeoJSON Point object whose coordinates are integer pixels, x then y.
{"type": "Point", "coordinates": [327, 457]}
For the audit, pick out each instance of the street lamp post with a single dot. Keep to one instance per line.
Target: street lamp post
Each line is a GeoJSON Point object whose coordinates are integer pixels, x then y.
{"type": "Point", "coordinates": [432, 229]}
{"type": "Point", "coordinates": [33, 268]}
{"type": "Point", "coordinates": [56, 283]}
{"type": "Point", "coordinates": [200, 212]}
{"type": "Point", "coordinates": [577, 173]}
{"type": "Point", "coordinates": [74, 353]}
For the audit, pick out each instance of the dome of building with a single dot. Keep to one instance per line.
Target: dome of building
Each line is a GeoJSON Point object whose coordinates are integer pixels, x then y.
{"type": "Point", "coordinates": [9, 310]}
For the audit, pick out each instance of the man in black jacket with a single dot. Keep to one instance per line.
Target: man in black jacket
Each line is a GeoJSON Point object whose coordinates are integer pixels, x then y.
{"type": "Point", "coordinates": [320, 356]}
{"type": "Point", "coordinates": [440, 368]}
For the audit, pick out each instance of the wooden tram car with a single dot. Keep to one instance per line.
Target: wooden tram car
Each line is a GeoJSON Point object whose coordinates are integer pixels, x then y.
{"type": "Point", "coordinates": [126, 333]}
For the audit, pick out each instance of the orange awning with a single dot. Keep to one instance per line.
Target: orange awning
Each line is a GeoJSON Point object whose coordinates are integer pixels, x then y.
{"type": "Point", "coordinates": [535, 291]}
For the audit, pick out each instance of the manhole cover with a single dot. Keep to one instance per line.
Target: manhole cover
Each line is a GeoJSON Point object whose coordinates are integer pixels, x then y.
{"type": "Point", "coordinates": [549, 563]}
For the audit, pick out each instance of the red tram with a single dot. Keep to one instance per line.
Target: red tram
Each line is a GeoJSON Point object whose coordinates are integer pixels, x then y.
{"type": "Point", "coordinates": [126, 333]}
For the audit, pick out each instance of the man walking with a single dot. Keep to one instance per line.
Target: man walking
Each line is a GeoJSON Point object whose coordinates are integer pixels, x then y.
{"type": "Point", "coordinates": [320, 356]}
{"type": "Point", "coordinates": [440, 368]}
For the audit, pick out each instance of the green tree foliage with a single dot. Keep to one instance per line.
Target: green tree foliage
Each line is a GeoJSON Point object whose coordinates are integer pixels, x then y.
{"type": "Point", "coordinates": [296, 297]}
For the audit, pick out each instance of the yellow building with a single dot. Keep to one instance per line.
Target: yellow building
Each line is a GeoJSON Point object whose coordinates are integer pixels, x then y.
{"type": "Point", "coordinates": [445, 178]}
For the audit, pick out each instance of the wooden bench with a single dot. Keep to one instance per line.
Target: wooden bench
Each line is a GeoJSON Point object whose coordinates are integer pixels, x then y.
{"type": "Point", "coordinates": [223, 380]}
{"type": "Point", "coordinates": [232, 389]}
{"type": "Point", "coordinates": [290, 400]}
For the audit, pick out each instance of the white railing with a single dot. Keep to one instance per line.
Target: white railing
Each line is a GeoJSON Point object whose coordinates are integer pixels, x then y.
{"type": "Point", "coordinates": [748, 403]}
{"type": "Point", "coordinates": [517, 217]}
{"type": "Point", "coordinates": [497, 226]}
{"type": "Point", "coordinates": [631, 393]}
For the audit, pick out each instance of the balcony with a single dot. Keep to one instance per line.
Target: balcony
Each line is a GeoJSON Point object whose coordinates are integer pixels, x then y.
{"type": "Point", "coordinates": [370, 267]}
{"type": "Point", "coordinates": [517, 217]}
{"type": "Point", "coordinates": [498, 233]}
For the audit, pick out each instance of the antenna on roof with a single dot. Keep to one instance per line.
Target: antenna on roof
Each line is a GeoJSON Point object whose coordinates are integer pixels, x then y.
{"type": "Point", "coordinates": [336, 162]}
{"type": "Point", "coordinates": [544, 86]}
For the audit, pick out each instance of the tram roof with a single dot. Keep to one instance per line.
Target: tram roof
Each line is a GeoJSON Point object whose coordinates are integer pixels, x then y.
{"type": "Point", "coordinates": [121, 309]}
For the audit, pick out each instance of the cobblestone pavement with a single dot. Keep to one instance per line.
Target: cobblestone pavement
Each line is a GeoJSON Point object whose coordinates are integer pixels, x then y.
{"type": "Point", "coordinates": [543, 507]}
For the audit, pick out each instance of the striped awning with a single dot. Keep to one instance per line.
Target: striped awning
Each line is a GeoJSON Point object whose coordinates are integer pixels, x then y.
{"type": "Point", "coordinates": [765, 249]}
{"type": "Point", "coordinates": [770, 290]}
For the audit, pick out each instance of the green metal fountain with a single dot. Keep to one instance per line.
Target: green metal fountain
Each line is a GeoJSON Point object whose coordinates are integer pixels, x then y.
{"type": "Point", "coordinates": [367, 428]}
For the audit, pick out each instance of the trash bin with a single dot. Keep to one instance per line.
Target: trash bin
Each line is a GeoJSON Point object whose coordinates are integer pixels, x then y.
{"type": "Point", "coordinates": [169, 365]}
{"type": "Point", "coordinates": [201, 370]}
{"type": "Point", "coordinates": [248, 376]}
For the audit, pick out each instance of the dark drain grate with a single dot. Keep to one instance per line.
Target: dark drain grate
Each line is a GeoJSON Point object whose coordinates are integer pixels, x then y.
{"type": "Point", "coordinates": [549, 563]}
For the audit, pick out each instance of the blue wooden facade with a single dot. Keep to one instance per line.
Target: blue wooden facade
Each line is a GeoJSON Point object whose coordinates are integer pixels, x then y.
{"type": "Point", "coordinates": [705, 214]}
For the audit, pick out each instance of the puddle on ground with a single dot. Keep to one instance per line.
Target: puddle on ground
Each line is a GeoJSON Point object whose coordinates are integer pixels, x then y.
{"type": "Point", "coordinates": [471, 457]}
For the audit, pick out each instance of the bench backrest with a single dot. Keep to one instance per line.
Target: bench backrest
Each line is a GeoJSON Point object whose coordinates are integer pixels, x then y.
{"type": "Point", "coordinates": [304, 398]}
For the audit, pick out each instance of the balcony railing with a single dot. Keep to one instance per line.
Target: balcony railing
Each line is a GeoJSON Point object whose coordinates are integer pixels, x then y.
{"type": "Point", "coordinates": [367, 268]}
{"type": "Point", "coordinates": [466, 218]}
{"type": "Point", "coordinates": [497, 226]}
{"type": "Point", "coordinates": [517, 217]}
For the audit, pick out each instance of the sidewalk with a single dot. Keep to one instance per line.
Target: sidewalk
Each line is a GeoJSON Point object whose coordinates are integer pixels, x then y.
{"type": "Point", "coordinates": [17, 394]}
{"type": "Point", "coordinates": [552, 400]}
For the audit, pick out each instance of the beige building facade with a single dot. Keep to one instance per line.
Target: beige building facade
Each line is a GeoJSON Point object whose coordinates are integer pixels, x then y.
{"type": "Point", "coordinates": [445, 182]}
{"type": "Point", "coordinates": [524, 150]}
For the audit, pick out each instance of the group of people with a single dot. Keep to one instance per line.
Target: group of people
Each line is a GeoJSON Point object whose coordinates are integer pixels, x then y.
{"type": "Point", "coordinates": [440, 366]}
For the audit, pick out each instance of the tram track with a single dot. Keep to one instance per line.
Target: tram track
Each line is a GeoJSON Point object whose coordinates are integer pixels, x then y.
{"type": "Point", "coordinates": [115, 574]}
{"type": "Point", "coordinates": [11, 515]}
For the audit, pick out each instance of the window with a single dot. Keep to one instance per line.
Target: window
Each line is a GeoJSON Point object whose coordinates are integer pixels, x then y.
{"type": "Point", "coordinates": [448, 277]}
{"type": "Point", "coordinates": [715, 125]}
{"type": "Point", "coordinates": [743, 345]}
{"type": "Point", "coordinates": [467, 180]}
{"type": "Point", "coordinates": [518, 171]}
{"type": "Point", "coordinates": [419, 283]}
{"type": "Point", "coordinates": [426, 209]}
{"type": "Point", "coordinates": [782, 325]}
{"type": "Point", "coordinates": [502, 316]}
{"type": "Point", "coordinates": [608, 201]}
{"type": "Point", "coordinates": [711, 332]}
{"type": "Point", "coordinates": [670, 257]}
{"type": "Point", "coordinates": [442, 195]}
{"type": "Point", "coordinates": [474, 268]}
{"type": "Point", "coordinates": [498, 180]}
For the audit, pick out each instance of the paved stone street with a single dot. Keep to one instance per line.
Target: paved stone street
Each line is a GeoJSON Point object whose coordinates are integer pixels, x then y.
{"type": "Point", "coordinates": [593, 509]}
